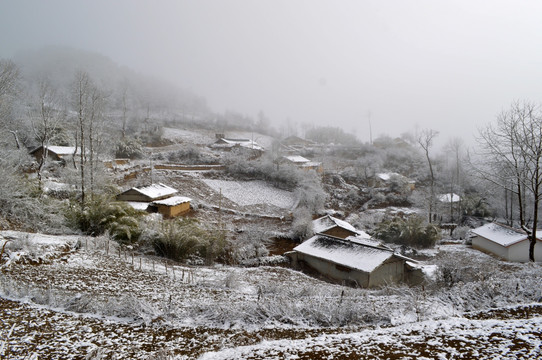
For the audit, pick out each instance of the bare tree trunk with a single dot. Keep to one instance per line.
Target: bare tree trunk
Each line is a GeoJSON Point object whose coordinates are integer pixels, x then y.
{"type": "Point", "coordinates": [425, 139]}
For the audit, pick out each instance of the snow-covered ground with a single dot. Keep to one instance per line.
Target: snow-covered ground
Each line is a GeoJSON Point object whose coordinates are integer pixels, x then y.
{"type": "Point", "coordinates": [81, 297]}
{"type": "Point", "coordinates": [200, 137]}
{"type": "Point", "coordinates": [252, 193]}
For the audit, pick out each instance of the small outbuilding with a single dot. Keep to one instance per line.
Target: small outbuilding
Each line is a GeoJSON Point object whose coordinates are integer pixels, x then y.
{"type": "Point", "coordinates": [147, 193]}
{"type": "Point", "coordinates": [228, 144]}
{"type": "Point", "coordinates": [302, 163]}
{"type": "Point", "coordinates": [173, 206]}
{"type": "Point", "coordinates": [505, 242]}
{"type": "Point", "coordinates": [354, 263]}
{"type": "Point", "coordinates": [55, 153]}
{"type": "Point", "coordinates": [329, 225]}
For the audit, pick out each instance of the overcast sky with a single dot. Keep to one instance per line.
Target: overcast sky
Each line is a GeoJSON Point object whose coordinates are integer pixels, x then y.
{"type": "Point", "coordinates": [448, 65]}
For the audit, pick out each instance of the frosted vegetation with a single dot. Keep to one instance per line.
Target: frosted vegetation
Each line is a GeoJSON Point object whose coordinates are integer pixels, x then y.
{"type": "Point", "coordinates": [215, 283]}
{"type": "Point", "coordinates": [95, 277]}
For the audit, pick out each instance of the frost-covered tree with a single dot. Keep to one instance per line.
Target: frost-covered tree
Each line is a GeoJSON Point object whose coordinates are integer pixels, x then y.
{"type": "Point", "coordinates": [88, 102]}
{"type": "Point", "coordinates": [302, 227]}
{"type": "Point", "coordinates": [9, 86]}
{"type": "Point", "coordinates": [425, 140]}
{"type": "Point", "coordinates": [310, 193]}
{"type": "Point", "coordinates": [45, 120]}
{"type": "Point", "coordinates": [511, 150]}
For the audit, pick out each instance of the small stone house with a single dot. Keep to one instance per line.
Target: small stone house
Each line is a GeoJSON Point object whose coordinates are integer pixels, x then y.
{"type": "Point", "coordinates": [354, 263]}
{"type": "Point", "coordinates": [173, 206]}
{"type": "Point", "coordinates": [505, 242]}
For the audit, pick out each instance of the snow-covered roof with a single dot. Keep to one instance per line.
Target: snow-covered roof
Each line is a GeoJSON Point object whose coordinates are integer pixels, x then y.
{"type": "Point", "coordinates": [155, 191]}
{"type": "Point", "coordinates": [500, 234]}
{"type": "Point", "coordinates": [246, 143]}
{"type": "Point", "coordinates": [60, 150]}
{"type": "Point", "coordinates": [63, 150]}
{"type": "Point", "coordinates": [448, 198]}
{"type": "Point", "coordinates": [297, 159]}
{"type": "Point", "coordinates": [365, 239]}
{"type": "Point", "coordinates": [327, 222]}
{"type": "Point", "coordinates": [347, 253]}
{"type": "Point", "coordinates": [172, 201]}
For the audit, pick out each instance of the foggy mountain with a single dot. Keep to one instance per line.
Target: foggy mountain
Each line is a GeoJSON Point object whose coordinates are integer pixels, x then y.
{"type": "Point", "coordinates": [59, 64]}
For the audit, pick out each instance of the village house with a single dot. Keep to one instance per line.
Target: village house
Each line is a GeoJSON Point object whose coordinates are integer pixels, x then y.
{"type": "Point", "coordinates": [228, 144]}
{"type": "Point", "coordinates": [245, 145]}
{"type": "Point", "coordinates": [505, 242]}
{"type": "Point", "coordinates": [297, 142]}
{"type": "Point", "coordinates": [55, 153]}
{"type": "Point", "coordinates": [448, 207]}
{"type": "Point", "coordinates": [302, 163]}
{"type": "Point", "coordinates": [294, 144]}
{"type": "Point", "coordinates": [391, 179]}
{"type": "Point", "coordinates": [172, 207]}
{"type": "Point", "coordinates": [329, 225]}
{"type": "Point", "coordinates": [141, 197]}
{"type": "Point", "coordinates": [354, 263]}
{"type": "Point", "coordinates": [156, 198]}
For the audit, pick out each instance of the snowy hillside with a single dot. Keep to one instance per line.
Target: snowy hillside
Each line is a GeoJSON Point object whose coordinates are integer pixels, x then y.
{"type": "Point", "coordinates": [78, 296]}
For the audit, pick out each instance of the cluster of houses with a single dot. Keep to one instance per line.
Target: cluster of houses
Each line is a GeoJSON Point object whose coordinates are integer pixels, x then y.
{"type": "Point", "coordinates": [338, 251]}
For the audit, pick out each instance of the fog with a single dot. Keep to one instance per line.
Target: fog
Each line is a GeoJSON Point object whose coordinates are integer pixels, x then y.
{"type": "Point", "coordinates": [451, 66]}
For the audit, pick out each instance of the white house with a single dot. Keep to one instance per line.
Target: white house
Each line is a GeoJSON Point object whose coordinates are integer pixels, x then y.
{"type": "Point", "coordinates": [505, 242]}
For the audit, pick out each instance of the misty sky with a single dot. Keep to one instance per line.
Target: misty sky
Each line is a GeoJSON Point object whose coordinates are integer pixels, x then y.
{"type": "Point", "coordinates": [448, 65]}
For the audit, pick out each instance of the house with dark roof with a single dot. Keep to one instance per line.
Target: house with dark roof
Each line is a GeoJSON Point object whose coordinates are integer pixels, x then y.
{"type": "Point", "coordinates": [354, 263]}
{"type": "Point", "coordinates": [505, 242]}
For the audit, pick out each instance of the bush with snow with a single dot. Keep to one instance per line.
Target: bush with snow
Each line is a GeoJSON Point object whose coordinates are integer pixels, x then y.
{"type": "Point", "coordinates": [180, 238]}
{"type": "Point", "coordinates": [102, 214]}
{"type": "Point", "coordinates": [411, 232]}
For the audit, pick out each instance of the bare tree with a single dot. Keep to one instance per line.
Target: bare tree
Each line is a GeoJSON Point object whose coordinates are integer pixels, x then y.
{"type": "Point", "coordinates": [9, 78]}
{"type": "Point", "coordinates": [512, 153]}
{"type": "Point", "coordinates": [46, 120]}
{"type": "Point", "coordinates": [454, 148]}
{"type": "Point", "coordinates": [82, 84]}
{"type": "Point", "coordinates": [425, 140]}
